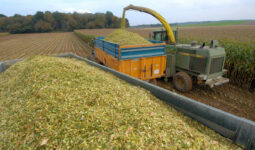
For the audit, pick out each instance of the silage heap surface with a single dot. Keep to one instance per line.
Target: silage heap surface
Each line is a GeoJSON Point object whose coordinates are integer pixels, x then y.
{"type": "Point", "coordinates": [123, 37]}
{"type": "Point", "coordinates": [65, 103]}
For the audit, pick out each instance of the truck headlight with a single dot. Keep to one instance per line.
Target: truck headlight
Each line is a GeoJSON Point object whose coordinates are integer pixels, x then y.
{"type": "Point", "coordinates": [202, 77]}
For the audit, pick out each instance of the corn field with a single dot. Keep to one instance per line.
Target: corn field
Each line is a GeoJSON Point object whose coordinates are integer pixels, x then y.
{"type": "Point", "coordinates": [240, 62]}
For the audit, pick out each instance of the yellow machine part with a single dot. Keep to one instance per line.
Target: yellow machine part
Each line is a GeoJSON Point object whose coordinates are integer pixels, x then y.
{"type": "Point", "coordinates": [153, 13]}
{"type": "Point", "coordinates": [144, 68]}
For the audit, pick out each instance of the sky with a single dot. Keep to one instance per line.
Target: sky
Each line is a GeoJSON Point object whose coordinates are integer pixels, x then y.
{"type": "Point", "coordinates": [172, 10]}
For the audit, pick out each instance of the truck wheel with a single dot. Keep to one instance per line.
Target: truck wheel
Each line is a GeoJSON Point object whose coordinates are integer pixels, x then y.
{"type": "Point", "coordinates": [182, 82]}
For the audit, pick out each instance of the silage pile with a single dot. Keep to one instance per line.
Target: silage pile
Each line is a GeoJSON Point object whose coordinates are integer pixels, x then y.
{"type": "Point", "coordinates": [123, 37]}
{"type": "Point", "coordinates": [59, 103]}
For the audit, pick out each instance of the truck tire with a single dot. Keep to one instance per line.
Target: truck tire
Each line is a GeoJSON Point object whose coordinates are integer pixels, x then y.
{"type": "Point", "coordinates": [182, 82]}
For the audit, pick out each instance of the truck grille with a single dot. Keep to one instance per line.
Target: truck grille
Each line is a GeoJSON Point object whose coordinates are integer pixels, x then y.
{"type": "Point", "coordinates": [216, 65]}
{"type": "Point", "coordinates": [197, 64]}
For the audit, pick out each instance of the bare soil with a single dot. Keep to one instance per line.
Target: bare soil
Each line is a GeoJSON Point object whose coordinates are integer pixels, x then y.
{"type": "Point", "coordinates": [227, 97]}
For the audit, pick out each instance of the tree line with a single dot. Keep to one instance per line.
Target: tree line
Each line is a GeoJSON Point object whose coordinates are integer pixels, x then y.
{"type": "Point", "coordinates": [57, 21]}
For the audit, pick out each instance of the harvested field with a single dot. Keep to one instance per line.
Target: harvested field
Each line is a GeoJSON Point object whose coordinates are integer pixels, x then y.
{"type": "Point", "coordinates": [250, 23]}
{"type": "Point", "coordinates": [4, 34]}
{"type": "Point", "coordinates": [23, 45]}
{"type": "Point", "coordinates": [239, 33]}
{"type": "Point", "coordinates": [94, 110]}
{"type": "Point", "coordinates": [235, 33]}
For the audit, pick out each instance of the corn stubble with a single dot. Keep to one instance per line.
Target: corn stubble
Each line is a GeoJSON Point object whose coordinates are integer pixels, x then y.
{"type": "Point", "coordinates": [123, 37]}
{"type": "Point", "coordinates": [59, 103]}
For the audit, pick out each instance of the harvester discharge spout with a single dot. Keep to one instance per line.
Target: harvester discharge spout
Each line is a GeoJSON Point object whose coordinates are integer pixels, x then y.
{"type": "Point", "coordinates": [156, 15]}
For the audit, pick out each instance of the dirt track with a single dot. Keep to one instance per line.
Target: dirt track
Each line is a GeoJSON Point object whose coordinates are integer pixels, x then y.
{"type": "Point", "coordinates": [228, 97]}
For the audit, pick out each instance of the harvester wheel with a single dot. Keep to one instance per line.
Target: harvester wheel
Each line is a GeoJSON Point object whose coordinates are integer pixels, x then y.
{"type": "Point", "coordinates": [182, 82]}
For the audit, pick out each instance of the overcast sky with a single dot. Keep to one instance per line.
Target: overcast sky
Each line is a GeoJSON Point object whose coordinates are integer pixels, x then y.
{"type": "Point", "coordinates": [172, 10]}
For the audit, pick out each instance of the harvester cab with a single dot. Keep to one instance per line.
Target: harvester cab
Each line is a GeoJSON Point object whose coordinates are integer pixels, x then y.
{"type": "Point", "coordinates": [161, 35]}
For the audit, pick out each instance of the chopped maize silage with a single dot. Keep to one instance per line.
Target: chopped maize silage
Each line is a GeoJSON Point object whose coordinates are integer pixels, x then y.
{"type": "Point", "coordinates": [123, 37]}
{"type": "Point", "coordinates": [59, 103]}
